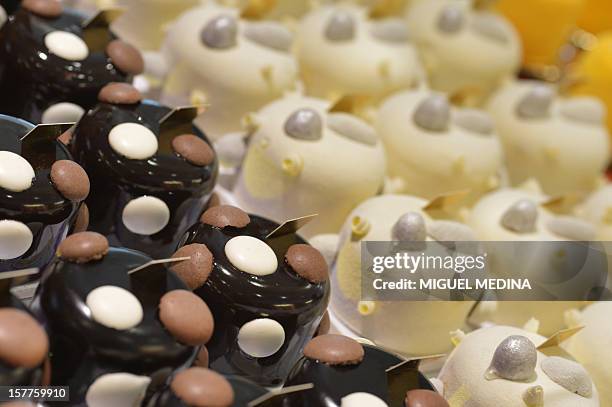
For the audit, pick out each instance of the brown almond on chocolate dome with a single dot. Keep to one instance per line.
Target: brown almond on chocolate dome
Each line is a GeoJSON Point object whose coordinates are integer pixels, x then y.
{"type": "Point", "coordinates": [125, 57]}
{"type": "Point", "coordinates": [334, 350]}
{"type": "Point", "coordinates": [424, 398]}
{"type": "Point", "coordinates": [195, 271]}
{"type": "Point", "coordinates": [186, 317]}
{"type": "Point", "coordinates": [83, 247]}
{"type": "Point", "coordinates": [23, 342]}
{"type": "Point", "coordinates": [202, 387]}
{"type": "Point", "coordinates": [119, 93]}
{"type": "Point", "coordinates": [70, 179]}
{"type": "Point", "coordinates": [225, 215]}
{"type": "Point", "coordinates": [193, 149]}
{"type": "Point", "coordinates": [44, 8]}
{"type": "Point", "coordinates": [307, 262]}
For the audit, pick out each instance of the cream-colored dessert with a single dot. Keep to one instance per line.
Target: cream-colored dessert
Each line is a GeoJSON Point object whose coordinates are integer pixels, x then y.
{"type": "Point", "coordinates": [233, 65]}
{"type": "Point", "coordinates": [591, 346]}
{"type": "Point", "coordinates": [503, 367]}
{"type": "Point", "coordinates": [561, 142]}
{"type": "Point", "coordinates": [342, 51]}
{"type": "Point", "coordinates": [303, 159]}
{"type": "Point", "coordinates": [467, 51]}
{"type": "Point", "coordinates": [434, 148]}
{"type": "Point", "coordinates": [144, 22]}
{"type": "Point", "coordinates": [411, 328]}
{"type": "Point", "coordinates": [513, 215]}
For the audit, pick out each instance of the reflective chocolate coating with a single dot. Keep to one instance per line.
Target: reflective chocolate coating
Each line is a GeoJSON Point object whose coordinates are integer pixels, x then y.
{"type": "Point", "coordinates": [116, 180]}
{"type": "Point", "coordinates": [33, 79]}
{"type": "Point", "coordinates": [83, 349]}
{"type": "Point", "coordinates": [332, 383]}
{"type": "Point", "coordinates": [245, 391]}
{"type": "Point", "coordinates": [41, 207]}
{"type": "Point", "coordinates": [236, 297]}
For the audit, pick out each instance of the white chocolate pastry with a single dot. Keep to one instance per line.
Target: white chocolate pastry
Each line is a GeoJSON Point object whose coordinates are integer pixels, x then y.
{"type": "Point", "coordinates": [467, 52]}
{"type": "Point", "coordinates": [433, 148]}
{"type": "Point", "coordinates": [145, 21]}
{"type": "Point", "coordinates": [303, 160]}
{"type": "Point", "coordinates": [501, 366]}
{"type": "Point", "coordinates": [342, 51]}
{"type": "Point", "coordinates": [411, 328]}
{"type": "Point", "coordinates": [561, 142]}
{"type": "Point", "coordinates": [513, 215]}
{"type": "Point", "coordinates": [597, 209]}
{"type": "Point", "coordinates": [233, 65]}
{"type": "Point", "coordinates": [591, 346]}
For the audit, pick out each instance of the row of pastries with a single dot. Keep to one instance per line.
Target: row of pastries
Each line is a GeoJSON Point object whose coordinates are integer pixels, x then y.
{"type": "Point", "coordinates": [159, 164]}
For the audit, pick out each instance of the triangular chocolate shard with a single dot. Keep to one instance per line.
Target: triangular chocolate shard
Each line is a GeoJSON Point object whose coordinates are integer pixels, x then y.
{"type": "Point", "coordinates": [9, 278]}
{"type": "Point", "coordinates": [403, 377]}
{"type": "Point", "coordinates": [276, 398]}
{"type": "Point", "coordinates": [353, 104]}
{"type": "Point", "coordinates": [291, 226]}
{"type": "Point", "coordinates": [38, 146]}
{"type": "Point", "coordinates": [156, 262]}
{"type": "Point", "coordinates": [176, 122]}
{"type": "Point", "coordinates": [558, 338]}
{"type": "Point", "coordinates": [96, 29]}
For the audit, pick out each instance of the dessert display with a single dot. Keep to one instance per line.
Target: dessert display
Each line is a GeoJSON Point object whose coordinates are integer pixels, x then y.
{"type": "Point", "coordinates": [152, 172]}
{"type": "Point", "coordinates": [509, 367]}
{"type": "Point", "coordinates": [591, 345]}
{"type": "Point", "coordinates": [467, 51]}
{"type": "Point", "coordinates": [116, 322]}
{"type": "Point", "coordinates": [41, 190]}
{"type": "Point", "coordinates": [266, 287]}
{"type": "Point", "coordinates": [346, 373]}
{"type": "Point", "coordinates": [235, 65]}
{"type": "Point", "coordinates": [514, 215]}
{"type": "Point", "coordinates": [542, 47]}
{"type": "Point", "coordinates": [458, 148]}
{"type": "Point", "coordinates": [342, 51]}
{"type": "Point", "coordinates": [304, 159]}
{"type": "Point", "coordinates": [561, 142]}
{"type": "Point", "coordinates": [54, 61]}
{"type": "Point", "coordinates": [410, 328]}
{"type": "Point", "coordinates": [23, 342]}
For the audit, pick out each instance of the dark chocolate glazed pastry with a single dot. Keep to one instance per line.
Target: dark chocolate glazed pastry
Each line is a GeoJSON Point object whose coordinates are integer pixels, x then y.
{"type": "Point", "coordinates": [41, 190]}
{"type": "Point", "coordinates": [54, 61]}
{"type": "Point", "coordinates": [10, 6]}
{"type": "Point", "coordinates": [345, 372]}
{"type": "Point", "coordinates": [202, 387]}
{"type": "Point", "coordinates": [151, 170]}
{"type": "Point", "coordinates": [23, 342]}
{"type": "Point", "coordinates": [267, 291]}
{"type": "Point", "coordinates": [116, 327]}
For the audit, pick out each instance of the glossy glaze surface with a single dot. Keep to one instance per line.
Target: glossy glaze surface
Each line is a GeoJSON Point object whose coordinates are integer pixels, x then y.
{"type": "Point", "coordinates": [236, 298]}
{"type": "Point", "coordinates": [331, 383]}
{"type": "Point", "coordinates": [83, 349]}
{"type": "Point", "coordinates": [41, 207]}
{"type": "Point", "coordinates": [245, 391]}
{"type": "Point", "coordinates": [32, 78]}
{"type": "Point", "coordinates": [115, 179]}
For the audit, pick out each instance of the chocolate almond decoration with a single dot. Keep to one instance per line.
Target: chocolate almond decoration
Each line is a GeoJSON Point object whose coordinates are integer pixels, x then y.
{"type": "Point", "coordinates": [38, 145]}
{"type": "Point", "coordinates": [195, 270]}
{"type": "Point", "coordinates": [193, 149]}
{"type": "Point", "coordinates": [83, 247]}
{"type": "Point", "coordinates": [186, 317]}
{"type": "Point", "coordinates": [125, 57]}
{"type": "Point", "coordinates": [119, 93]}
{"type": "Point", "coordinates": [23, 342]}
{"type": "Point", "coordinates": [225, 215]}
{"type": "Point", "coordinates": [70, 180]}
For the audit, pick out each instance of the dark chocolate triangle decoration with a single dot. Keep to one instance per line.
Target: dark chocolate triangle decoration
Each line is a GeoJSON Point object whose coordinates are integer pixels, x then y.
{"type": "Point", "coordinates": [178, 121]}
{"type": "Point", "coordinates": [403, 377]}
{"type": "Point", "coordinates": [39, 145]}
{"type": "Point", "coordinates": [9, 278]}
{"type": "Point", "coordinates": [96, 29]}
{"type": "Point", "coordinates": [291, 226]}
{"type": "Point", "coordinates": [277, 398]}
{"type": "Point", "coordinates": [156, 262]}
